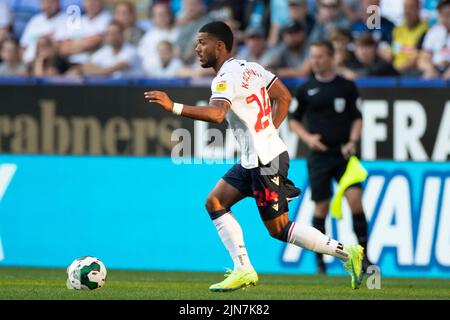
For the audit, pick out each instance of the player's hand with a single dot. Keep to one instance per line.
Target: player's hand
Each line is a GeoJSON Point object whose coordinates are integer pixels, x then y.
{"type": "Point", "coordinates": [349, 149]}
{"type": "Point", "coordinates": [160, 98]}
{"type": "Point", "coordinates": [315, 144]}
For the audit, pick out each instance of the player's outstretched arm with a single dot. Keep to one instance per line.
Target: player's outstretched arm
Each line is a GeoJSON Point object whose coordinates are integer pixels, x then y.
{"type": "Point", "coordinates": [281, 100]}
{"type": "Point", "coordinates": [215, 112]}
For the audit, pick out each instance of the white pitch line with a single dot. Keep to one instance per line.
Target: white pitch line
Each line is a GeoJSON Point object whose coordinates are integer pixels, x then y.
{"type": "Point", "coordinates": [7, 172]}
{"type": "Point", "coordinates": [2, 256]}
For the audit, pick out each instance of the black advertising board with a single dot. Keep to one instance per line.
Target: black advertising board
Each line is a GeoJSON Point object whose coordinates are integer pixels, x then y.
{"type": "Point", "coordinates": [399, 123]}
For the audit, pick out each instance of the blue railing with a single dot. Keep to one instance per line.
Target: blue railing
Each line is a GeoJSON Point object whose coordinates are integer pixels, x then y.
{"type": "Point", "coordinates": [378, 82]}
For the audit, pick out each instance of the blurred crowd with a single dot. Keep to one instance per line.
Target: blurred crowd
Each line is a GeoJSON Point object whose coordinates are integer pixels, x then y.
{"type": "Point", "coordinates": [123, 39]}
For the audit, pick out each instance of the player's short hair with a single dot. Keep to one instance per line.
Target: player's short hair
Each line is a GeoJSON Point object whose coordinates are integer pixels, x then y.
{"type": "Point", "coordinates": [221, 31]}
{"type": "Point", "coordinates": [325, 44]}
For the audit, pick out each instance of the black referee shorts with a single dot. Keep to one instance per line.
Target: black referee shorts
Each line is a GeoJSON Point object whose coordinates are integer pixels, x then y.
{"type": "Point", "coordinates": [322, 168]}
{"type": "Point", "coordinates": [268, 184]}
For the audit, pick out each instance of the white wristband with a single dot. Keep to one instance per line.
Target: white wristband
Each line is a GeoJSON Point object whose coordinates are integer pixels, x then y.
{"type": "Point", "coordinates": [177, 108]}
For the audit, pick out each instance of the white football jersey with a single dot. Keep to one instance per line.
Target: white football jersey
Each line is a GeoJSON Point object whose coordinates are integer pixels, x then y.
{"type": "Point", "coordinates": [245, 86]}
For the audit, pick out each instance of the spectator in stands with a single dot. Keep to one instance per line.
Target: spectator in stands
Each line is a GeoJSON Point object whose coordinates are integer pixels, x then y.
{"type": "Point", "coordinates": [382, 34]}
{"type": "Point", "coordinates": [43, 24]}
{"type": "Point", "coordinates": [329, 17]}
{"type": "Point", "coordinates": [4, 35]}
{"type": "Point", "coordinates": [342, 41]}
{"type": "Point", "coordinates": [368, 63]}
{"type": "Point", "coordinates": [429, 11]}
{"type": "Point", "coordinates": [297, 12]}
{"type": "Point", "coordinates": [225, 10]}
{"type": "Point", "coordinates": [10, 55]}
{"type": "Point", "coordinates": [351, 9]}
{"type": "Point", "coordinates": [5, 23]}
{"type": "Point", "coordinates": [162, 29]}
{"type": "Point", "coordinates": [222, 9]}
{"type": "Point", "coordinates": [193, 17]}
{"type": "Point", "coordinates": [293, 52]}
{"type": "Point", "coordinates": [256, 49]}
{"type": "Point", "coordinates": [434, 60]}
{"type": "Point", "coordinates": [125, 14]}
{"type": "Point", "coordinates": [78, 40]}
{"type": "Point", "coordinates": [240, 11]}
{"type": "Point", "coordinates": [392, 10]}
{"type": "Point", "coordinates": [116, 58]}
{"type": "Point", "coordinates": [406, 38]}
{"type": "Point", "coordinates": [22, 11]}
{"type": "Point", "coordinates": [256, 14]}
{"type": "Point", "coordinates": [48, 62]}
{"type": "Point", "coordinates": [5, 20]}
{"type": "Point", "coordinates": [144, 15]}
{"type": "Point", "coordinates": [168, 64]}
{"type": "Point", "coordinates": [66, 3]}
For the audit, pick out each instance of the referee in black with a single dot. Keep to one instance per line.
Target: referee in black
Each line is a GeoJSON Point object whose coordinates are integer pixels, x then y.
{"type": "Point", "coordinates": [328, 104]}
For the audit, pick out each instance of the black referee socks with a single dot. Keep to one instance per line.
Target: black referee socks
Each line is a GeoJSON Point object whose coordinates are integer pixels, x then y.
{"type": "Point", "coordinates": [319, 224]}
{"type": "Point", "coordinates": [360, 228]}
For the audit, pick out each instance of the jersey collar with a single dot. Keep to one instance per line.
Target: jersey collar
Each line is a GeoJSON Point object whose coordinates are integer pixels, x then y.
{"type": "Point", "coordinates": [325, 80]}
{"type": "Point", "coordinates": [229, 60]}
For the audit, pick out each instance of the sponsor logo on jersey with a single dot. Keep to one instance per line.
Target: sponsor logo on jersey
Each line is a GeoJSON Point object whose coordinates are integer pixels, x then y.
{"type": "Point", "coordinates": [221, 86]}
{"type": "Point", "coordinates": [339, 105]}
{"type": "Point", "coordinates": [276, 180]}
{"type": "Point", "coordinates": [312, 92]}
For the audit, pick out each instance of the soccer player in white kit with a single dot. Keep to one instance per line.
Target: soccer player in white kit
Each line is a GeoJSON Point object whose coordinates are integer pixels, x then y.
{"type": "Point", "coordinates": [241, 93]}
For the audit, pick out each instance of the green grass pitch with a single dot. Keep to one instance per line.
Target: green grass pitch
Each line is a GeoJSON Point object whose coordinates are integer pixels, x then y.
{"type": "Point", "coordinates": [35, 283]}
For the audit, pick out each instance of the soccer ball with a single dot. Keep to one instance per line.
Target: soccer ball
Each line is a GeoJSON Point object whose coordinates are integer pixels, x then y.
{"type": "Point", "coordinates": [86, 273]}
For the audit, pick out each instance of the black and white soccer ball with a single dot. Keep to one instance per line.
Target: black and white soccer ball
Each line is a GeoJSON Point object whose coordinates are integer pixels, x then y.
{"type": "Point", "coordinates": [86, 273]}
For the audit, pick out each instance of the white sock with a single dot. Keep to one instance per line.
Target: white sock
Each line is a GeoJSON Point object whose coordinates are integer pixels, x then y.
{"type": "Point", "coordinates": [312, 239]}
{"type": "Point", "coordinates": [230, 233]}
